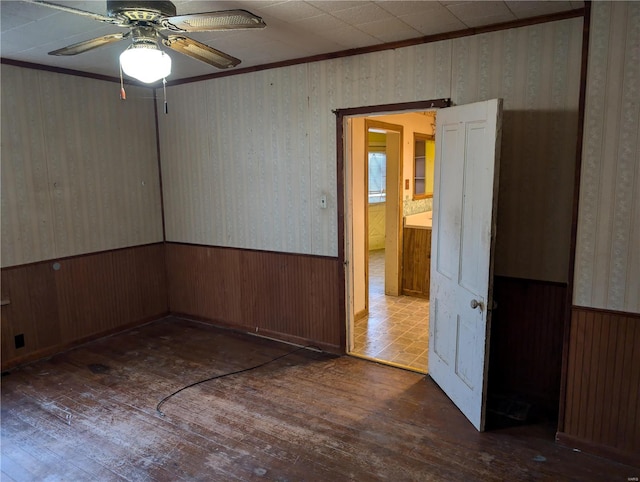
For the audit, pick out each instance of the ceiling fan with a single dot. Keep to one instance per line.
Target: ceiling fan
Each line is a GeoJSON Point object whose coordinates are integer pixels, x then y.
{"type": "Point", "coordinates": [146, 21]}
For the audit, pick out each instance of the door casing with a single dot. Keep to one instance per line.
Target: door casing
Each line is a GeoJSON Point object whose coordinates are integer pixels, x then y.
{"type": "Point", "coordinates": [344, 203]}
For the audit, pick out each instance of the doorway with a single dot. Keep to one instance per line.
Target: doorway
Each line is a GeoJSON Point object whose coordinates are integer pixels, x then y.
{"type": "Point", "coordinates": [466, 174]}
{"type": "Point", "coordinates": [388, 319]}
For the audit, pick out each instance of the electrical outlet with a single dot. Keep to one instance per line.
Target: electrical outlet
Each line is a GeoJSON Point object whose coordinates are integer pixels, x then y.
{"type": "Point", "coordinates": [19, 340]}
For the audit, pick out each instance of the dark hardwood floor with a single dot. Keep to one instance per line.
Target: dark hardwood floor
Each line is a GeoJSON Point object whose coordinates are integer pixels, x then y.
{"type": "Point", "coordinates": [90, 414]}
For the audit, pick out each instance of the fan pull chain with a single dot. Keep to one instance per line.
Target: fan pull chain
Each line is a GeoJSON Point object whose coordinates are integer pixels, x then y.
{"type": "Point", "coordinates": [164, 88]}
{"type": "Point", "coordinates": [123, 94]}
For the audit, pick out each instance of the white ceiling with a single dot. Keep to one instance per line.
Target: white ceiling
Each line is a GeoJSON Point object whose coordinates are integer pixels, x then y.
{"type": "Point", "coordinates": [295, 29]}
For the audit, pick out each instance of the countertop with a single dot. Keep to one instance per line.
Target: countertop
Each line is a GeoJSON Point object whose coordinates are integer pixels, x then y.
{"type": "Point", "coordinates": [419, 220]}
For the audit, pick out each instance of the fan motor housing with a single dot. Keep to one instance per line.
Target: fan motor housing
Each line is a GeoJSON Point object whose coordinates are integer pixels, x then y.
{"type": "Point", "coordinates": [141, 10]}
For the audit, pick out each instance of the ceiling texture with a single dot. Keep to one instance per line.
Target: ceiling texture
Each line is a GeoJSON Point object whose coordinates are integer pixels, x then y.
{"type": "Point", "coordinates": [295, 29]}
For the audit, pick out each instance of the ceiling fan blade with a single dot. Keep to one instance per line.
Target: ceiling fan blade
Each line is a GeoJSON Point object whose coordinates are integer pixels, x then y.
{"type": "Point", "coordinates": [81, 47]}
{"type": "Point", "coordinates": [84, 13]}
{"type": "Point", "coordinates": [200, 51]}
{"type": "Point", "coordinates": [208, 21]}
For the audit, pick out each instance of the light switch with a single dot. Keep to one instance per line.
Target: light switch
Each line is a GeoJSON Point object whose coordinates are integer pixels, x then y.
{"type": "Point", "coordinates": [323, 202]}
{"type": "Point", "coordinates": [406, 183]}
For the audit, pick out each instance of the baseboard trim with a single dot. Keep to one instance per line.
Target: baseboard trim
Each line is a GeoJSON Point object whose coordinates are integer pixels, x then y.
{"type": "Point", "coordinates": [57, 349]}
{"type": "Point", "coordinates": [361, 314]}
{"type": "Point", "coordinates": [271, 335]}
{"type": "Point", "coordinates": [605, 451]}
{"type": "Point", "coordinates": [414, 293]}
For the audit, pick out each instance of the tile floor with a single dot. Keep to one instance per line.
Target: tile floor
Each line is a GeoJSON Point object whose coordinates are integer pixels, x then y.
{"type": "Point", "coordinates": [397, 328]}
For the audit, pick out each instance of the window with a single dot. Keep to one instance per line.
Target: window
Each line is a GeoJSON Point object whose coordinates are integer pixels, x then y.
{"type": "Point", "coordinates": [423, 159]}
{"type": "Point", "coordinates": [377, 177]}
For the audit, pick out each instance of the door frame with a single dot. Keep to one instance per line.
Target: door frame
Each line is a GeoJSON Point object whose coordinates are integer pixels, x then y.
{"type": "Point", "coordinates": [343, 176]}
{"type": "Point", "coordinates": [396, 203]}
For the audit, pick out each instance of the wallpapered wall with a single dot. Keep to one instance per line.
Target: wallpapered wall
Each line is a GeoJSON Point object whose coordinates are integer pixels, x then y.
{"type": "Point", "coordinates": [79, 167]}
{"type": "Point", "coordinates": [608, 246]}
{"type": "Point", "coordinates": [246, 158]}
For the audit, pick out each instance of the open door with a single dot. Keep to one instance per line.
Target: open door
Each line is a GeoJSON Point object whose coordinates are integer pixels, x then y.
{"type": "Point", "coordinates": [463, 240]}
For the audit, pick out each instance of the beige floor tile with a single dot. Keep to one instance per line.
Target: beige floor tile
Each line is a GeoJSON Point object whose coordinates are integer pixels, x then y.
{"type": "Point", "coordinates": [397, 328]}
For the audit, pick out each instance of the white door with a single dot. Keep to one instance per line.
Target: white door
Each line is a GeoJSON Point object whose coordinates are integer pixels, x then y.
{"type": "Point", "coordinates": [463, 239]}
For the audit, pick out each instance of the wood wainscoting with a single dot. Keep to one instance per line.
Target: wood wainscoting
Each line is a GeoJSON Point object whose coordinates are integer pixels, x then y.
{"type": "Point", "coordinates": [52, 305]}
{"type": "Point", "coordinates": [292, 297]}
{"type": "Point", "coordinates": [526, 340]}
{"type": "Point", "coordinates": [602, 404]}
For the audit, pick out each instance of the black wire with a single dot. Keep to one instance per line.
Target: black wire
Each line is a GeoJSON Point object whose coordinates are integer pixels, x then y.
{"type": "Point", "coordinates": [161, 402]}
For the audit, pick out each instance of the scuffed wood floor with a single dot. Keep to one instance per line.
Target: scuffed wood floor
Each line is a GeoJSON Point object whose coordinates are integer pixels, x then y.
{"type": "Point", "coordinates": [90, 414]}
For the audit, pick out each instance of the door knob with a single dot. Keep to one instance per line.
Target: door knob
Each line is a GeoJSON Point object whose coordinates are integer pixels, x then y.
{"type": "Point", "coordinates": [476, 304]}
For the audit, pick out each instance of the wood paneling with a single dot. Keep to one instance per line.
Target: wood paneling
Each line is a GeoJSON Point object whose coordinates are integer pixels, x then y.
{"type": "Point", "coordinates": [292, 297]}
{"type": "Point", "coordinates": [602, 406]}
{"type": "Point", "coordinates": [32, 310]}
{"type": "Point", "coordinates": [526, 340]}
{"type": "Point", "coordinates": [416, 262]}
{"type": "Point", "coordinates": [88, 296]}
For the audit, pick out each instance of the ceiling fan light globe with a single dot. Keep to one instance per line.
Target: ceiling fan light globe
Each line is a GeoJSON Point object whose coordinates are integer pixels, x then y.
{"type": "Point", "coordinates": [147, 65]}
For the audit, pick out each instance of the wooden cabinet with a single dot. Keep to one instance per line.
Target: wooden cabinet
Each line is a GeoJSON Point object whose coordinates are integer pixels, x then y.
{"type": "Point", "coordinates": [416, 261]}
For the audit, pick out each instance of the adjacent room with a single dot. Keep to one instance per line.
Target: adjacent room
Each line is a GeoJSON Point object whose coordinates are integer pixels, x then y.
{"type": "Point", "coordinates": [323, 241]}
{"type": "Point", "coordinates": [391, 236]}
